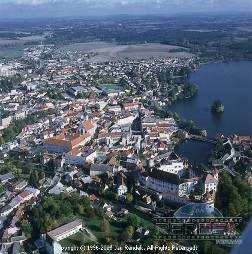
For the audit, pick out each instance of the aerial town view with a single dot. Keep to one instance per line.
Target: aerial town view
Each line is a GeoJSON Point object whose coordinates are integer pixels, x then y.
{"type": "Point", "coordinates": [125, 126]}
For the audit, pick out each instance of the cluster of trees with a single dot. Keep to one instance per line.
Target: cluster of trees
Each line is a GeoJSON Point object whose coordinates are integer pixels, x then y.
{"type": "Point", "coordinates": [170, 77]}
{"type": "Point", "coordinates": [54, 94]}
{"type": "Point", "coordinates": [187, 125]}
{"type": "Point", "coordinates": [10, 166]}
{"type": "Point", "coordinates": [104, 226]}
{"type": "Point", "coordinates": [243, 166]}
{"type": "Point", "coordinates": [177, 94]}
{"type": "Point", "coordinates": [20, 165]}
{"type": "Point", "coordinates": [16, 127]}
{"type": "Point", "coordinates": [34, 177]}
{"type": "Point", "coordinates": [56, 210]}
{"type": "Point", "coordinates": [190, 127]}
{"type": "Point", "coordinates": [131, 223]}
{"type": "Point", "coordinates": [126, 234]}
{"type": "Point", "coordinates": [215, 44]}
{"type": "Point", "coordinates": [129, 34]}
{"type": "Point", "coordinates": [233, 196]}
{"type": "Point", "coordinates": [241, 49]}
{"type": "Point", "coordinates": [86, 95]}
{"type": "Point", "coordinates": [190, 90]}
{"type": "Point", "coordinates": [165, 77]}
{"type": "Point", "coordinates": [248, 152]}
{"type": "Point", "coordinates": [128, 228]}
{"type": "Point", "coordinates": [217, 107]}
{"type": "Point", "coordinates": [199, 188]}
{"type": "Point", "coordinates": [220, 150]}
{"type": "Point", "coordinates": [8, 83]}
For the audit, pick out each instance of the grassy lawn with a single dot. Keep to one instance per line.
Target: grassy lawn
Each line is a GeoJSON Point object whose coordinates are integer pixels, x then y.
{"type": "Point", "coordinates": [111, 87]}
{"type": "Point", "coordinates": [75, 240]}
{"type": "Point", "coordinates": [2, 189]}
{"type": "Point", "coordinates": [93, 224]}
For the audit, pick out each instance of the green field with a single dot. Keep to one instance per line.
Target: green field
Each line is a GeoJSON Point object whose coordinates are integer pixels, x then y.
{"type": "Point", "coordinates": [11, 52]}
{"type": "Point", "coordinates": [93, 225]}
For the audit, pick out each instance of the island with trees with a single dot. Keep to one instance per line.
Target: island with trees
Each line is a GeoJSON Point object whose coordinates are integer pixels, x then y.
{"type": "Point", "coordinates": [217, 107]}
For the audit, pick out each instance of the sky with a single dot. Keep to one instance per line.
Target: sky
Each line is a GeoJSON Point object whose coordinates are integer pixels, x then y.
{"type": "Point", "coordinates": [60, 8]}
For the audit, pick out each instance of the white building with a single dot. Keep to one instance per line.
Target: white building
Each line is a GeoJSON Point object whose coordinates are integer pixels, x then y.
{"type": "Point", "coordinates": [66, 230]}
{"type": "Point", "coordinates": [5, 122]}
{"type": "Point", "coordinates": [6, 177]}
{"type": "Point", "coordinates": [115, 109]}
{"type": "Point", "coordinates": [122, 189]}
{"type": "Point", "coordinates": [211, 182]}
{"type": "Point", "coordinates": [7, 70]}
{"type": "Point", "coordinates": [126, 120]}
{"type": "Point", "coordinates": [163, 183]}
{"type": "Point", "coordinates": [173, 166]}
{"type": "Point", "coordinates": [77, 90]}
{"type": "Point", "coordinates": [78, 157]}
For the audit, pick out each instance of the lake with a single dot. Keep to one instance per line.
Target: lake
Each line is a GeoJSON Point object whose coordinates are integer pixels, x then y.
{"type": "Point", "coordinates": [232, 84]}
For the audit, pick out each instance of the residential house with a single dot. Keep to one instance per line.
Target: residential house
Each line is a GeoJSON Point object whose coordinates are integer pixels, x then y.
{"type": "Point", "coordinates": [121, 186]}
{"type": "Point", "coordinates": [114, 108]}
{"type": "Point", "coordinates": [76, 90]}
{"type": "Point", "coordinates": [20, 185]}
{"type": "Point", "coordinates": [131, 106]}
{"type": "Point", "coordinates": [59, 188]}
{"type": "Point", "coordinates": [6, 177]}
{"type": "Point", "coordinates": [242, 139]}
{"type": "Point", "coordinates": [100, 169]}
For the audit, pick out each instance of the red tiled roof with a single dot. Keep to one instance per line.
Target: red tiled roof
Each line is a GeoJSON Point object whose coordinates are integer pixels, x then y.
{"type": "Point", "coordinates": [24, 194]}
{"type": "Point", "coordinates": [76, 151]}
{"type": "Point", "coordinates": [88, 125]}
{"type": "Point", "coordinates": [130, 105]}
{"type": "Point", "coordinates": [70, 141]}
{"type": "Point", "coordinates": [242, 139]}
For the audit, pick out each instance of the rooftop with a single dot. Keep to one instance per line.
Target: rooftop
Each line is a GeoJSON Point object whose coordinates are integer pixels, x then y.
{"type": "Point", "coordinates": [162, 176]}
{"type": "Point", "coordinates": [64, 228]}
{"type": "Point", "coordinates": [197, 210]}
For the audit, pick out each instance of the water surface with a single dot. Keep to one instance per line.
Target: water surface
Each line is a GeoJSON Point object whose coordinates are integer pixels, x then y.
{"type": "Point", "coordinates": [232, 84]}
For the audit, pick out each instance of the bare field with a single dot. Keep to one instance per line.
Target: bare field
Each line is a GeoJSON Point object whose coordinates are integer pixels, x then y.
{"type": "Point", "coordinates": [20, 40]}
{"type": "Point", "coordinates": [113, 52]}
{"type": "Point", "coordinates": [11, 48]}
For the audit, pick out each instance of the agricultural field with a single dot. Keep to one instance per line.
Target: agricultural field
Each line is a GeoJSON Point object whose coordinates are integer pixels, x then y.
{"type": "Point", "coordinates": [111, 52]}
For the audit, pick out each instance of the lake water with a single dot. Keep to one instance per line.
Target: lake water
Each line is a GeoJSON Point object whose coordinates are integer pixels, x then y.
{"type": "Point", "coordinates": [197, 152]}
{"type": "Point", "coordinates": [232, 84]}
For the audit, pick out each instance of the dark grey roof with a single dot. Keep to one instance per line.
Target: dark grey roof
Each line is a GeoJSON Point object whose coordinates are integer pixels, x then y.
{"type": "Point", "coordinates": [16, 248]}
{"type": "Point", "coordinates": [163, 176]}
{"type": "Point", "coordinates": [100, 167]}
{"type": "Point", "coordinates": [197, 210]}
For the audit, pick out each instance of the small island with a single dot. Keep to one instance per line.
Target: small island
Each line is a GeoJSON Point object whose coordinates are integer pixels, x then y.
{"type": "Point", "coordinates": [217, 107]}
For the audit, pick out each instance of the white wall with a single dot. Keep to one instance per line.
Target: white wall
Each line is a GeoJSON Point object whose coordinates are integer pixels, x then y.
{"type": "Point", "coordinates": [174, 167]}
